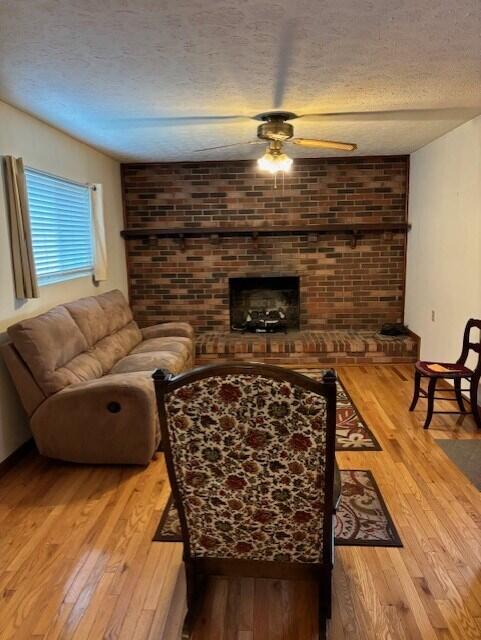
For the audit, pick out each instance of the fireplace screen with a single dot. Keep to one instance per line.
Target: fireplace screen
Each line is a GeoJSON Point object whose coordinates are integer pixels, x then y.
{"type": "Point", "coordinates": [264, 304]}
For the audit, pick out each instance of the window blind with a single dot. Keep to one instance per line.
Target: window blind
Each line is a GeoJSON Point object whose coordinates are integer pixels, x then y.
{"type": "Point", "coordinates": [61, 225]}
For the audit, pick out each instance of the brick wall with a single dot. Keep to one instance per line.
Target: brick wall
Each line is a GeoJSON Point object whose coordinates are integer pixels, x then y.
{"type": "Point", "coordinates": [341, 287]}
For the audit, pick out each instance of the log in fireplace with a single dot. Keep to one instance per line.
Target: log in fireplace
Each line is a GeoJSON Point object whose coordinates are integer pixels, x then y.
{"type": "Point", "coordinates": [264, 304]}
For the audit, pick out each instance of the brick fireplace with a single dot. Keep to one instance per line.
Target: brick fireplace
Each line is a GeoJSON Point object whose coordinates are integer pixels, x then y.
{"type": "Point", "coordinates": [347, 282]}
{"type": "Point", "coordinates": [342, 287]}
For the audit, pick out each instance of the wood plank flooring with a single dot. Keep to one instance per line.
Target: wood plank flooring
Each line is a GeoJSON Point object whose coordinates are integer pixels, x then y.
{"type": "Point", "coordinates": [77, 561]}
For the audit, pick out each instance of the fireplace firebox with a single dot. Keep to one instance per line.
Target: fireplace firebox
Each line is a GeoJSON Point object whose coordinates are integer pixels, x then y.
{"type": "Point", "coordinates": [265, 304]}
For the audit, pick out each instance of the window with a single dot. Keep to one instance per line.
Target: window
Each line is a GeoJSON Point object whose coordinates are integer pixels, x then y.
{"type": "Point", "coordinates": [61, 225]}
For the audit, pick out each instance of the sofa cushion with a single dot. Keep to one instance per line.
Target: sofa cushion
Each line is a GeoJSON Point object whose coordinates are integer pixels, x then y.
{"type": "Point", "coordinates": [82, 368]}
{"type": "Point", "coordinates": [169, 329]}
{"type": "Point", "coordinates": [105, 315]}
{"type": "Point", "coordinates": [173, 362]}
{"type": "Point", "coordinates": [113, 347]}
{"type": "Point", "coordinates": [46, 344]}
{"type": "Point", "coordinates": [176, 345]}
{"type": "Point", "coordinates": [106, 322]}
{"type": "Point", "coordinates": [117, 310]}
{"type": "Point", "coordinates": [90, 318]}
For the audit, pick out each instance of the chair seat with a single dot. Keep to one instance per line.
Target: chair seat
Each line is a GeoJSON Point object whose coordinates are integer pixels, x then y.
{"type": "Point", "coordinates": [453, 370]}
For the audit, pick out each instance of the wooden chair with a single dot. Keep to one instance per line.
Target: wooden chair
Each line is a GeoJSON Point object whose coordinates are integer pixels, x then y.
{"type": "Point", "coordinates": [457, 372]}
{"type": "Point", "coordinates": [250, 456]}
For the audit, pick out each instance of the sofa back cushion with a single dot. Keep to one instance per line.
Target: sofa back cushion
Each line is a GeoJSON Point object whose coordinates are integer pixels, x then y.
{"type": "Point", "coordinates": [108, 325]}
{"type": "Point", "coordinates": [117, 311]}
{"type": "Point", "coordinates": [90, 319]}
{"type": "Point", "coordinates": [76, 342]}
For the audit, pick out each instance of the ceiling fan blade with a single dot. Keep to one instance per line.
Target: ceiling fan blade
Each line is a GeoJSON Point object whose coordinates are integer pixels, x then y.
{"type": "Point", "coordinates": [172, 121]}
{"type": "Point", "coordinates": [324, 144]}
{"type": "Point", "coordinates": [453, 113]}
{"type": "Point", "coordinates": [225, 146]}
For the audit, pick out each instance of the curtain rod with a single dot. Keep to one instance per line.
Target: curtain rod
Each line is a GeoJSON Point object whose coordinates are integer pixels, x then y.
{"type": "Point", "coordinates": [53, 175]}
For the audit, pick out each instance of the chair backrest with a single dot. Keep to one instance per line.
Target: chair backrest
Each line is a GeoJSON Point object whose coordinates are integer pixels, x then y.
{"type": "Point", "coordinates": [469, 345]}
{"type": "Point", "coordinates": [250, 455]}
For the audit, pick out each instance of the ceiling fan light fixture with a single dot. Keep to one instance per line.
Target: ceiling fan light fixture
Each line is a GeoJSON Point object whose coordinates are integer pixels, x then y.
{"type": "Point", "coordinates": [274, 161]}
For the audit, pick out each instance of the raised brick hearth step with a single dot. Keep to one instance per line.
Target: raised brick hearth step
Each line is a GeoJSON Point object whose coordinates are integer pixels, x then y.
{"type": "Point", "coordinates": [307, 347]}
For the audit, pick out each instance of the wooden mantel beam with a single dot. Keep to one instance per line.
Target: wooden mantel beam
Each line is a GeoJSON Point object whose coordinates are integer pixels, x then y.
{"type": "Point", "coordinates": [191, 232]}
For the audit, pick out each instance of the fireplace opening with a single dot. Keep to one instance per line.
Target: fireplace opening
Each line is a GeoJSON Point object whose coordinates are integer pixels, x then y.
{"type": "Point", "coordinates": [264, 304]}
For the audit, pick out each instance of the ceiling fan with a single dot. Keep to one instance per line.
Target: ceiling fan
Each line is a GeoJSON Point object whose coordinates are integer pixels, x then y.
{"type": "Point", "coordinates": [277, 131]}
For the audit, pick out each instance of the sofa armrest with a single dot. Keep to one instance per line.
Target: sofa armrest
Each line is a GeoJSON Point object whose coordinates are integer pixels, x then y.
{"type": "Point", "coordinates": [112, 419]}
{"type": "Point", "coordinates": [168, 330]}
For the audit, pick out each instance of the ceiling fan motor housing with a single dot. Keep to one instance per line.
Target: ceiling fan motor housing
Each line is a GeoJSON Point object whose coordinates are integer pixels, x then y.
{"type": "Point", "coordinates": [275, 129]}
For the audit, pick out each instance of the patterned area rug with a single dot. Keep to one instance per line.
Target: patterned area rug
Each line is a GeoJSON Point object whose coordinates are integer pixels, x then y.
{"type": "Point", "coordinates": [352, 433]}
{"type": "Point", "coordinates": [362, 518]}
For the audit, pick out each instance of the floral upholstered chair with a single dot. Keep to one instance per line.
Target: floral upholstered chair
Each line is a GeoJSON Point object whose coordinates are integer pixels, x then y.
{"type": "Point", "coordinates": [250, 456]}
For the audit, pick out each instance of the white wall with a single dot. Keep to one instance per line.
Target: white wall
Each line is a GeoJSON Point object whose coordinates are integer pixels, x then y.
{"type": "Point", "coordinates": [444, 245]}
{"type": "Point", "coordinates": [48, 149]}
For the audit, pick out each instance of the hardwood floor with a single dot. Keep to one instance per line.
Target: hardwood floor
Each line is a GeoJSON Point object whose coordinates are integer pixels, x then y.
{"type": "Point", "coordinates": [77, 561]}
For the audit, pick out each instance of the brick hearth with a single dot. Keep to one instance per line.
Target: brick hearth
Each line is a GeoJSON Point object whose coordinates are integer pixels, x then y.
{"type": "Point", "coordinates": [306, 347]}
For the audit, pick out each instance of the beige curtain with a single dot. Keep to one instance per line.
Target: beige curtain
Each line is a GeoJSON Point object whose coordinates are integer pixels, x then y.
{"type": "Point", "coordinates": [100, 243]}
{"type": "Point", "coordinates": [20, 236]}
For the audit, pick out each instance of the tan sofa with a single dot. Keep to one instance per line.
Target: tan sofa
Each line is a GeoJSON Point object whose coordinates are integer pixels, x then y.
{"type": "Point", "coordinates": [83, 371]}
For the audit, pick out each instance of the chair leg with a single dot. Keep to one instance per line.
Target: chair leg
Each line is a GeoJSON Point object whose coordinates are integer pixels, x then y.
{"type": "Point", "coordinates": [322, 628]}
{"type": "Point", "coordinates": [473, 396]}
{"type": "Point", "coordinates": [431, 392]}
{"type": "Point", "coordinates": [324, 597]}
{"type": "Point", "coordinates": [459, 395]}
{"type": "Point", "coordinates": [417, 386]}
{"type": "Point", "coordinates": [194, 588]}
{"type": "Point", "coordinates": [326, 605]}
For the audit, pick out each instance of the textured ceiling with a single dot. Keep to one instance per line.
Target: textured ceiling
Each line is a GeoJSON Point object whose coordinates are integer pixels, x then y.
{"type": "Point", "coordinates": [105, 71]}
